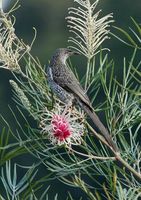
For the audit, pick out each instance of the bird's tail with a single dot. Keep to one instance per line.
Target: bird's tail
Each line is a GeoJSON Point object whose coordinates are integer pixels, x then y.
{"type": "Point", "coordinates": [100, 126]}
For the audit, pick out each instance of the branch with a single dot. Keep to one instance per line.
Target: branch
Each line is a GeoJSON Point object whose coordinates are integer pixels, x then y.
{"type": "Point", "coordinates": [116, 154]}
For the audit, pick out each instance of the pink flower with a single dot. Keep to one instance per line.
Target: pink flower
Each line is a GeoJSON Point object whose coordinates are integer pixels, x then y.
{"type": "Point", "coordinates": [61, 127]}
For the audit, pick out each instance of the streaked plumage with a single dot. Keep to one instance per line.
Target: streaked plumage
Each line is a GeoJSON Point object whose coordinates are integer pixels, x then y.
{"type": "Point", "coordinates": [65, 85]}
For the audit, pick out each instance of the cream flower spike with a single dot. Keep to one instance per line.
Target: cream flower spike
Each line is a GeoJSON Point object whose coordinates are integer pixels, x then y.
{"type": "Point", "coordinates": [88, 30]}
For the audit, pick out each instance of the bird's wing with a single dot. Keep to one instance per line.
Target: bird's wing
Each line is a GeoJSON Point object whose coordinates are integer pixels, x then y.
{"type": "Point", "coordinates": [68, 81]}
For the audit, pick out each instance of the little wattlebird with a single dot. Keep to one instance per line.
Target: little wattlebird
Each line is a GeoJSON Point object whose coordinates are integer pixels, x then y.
{"type": "Point", "coordinates": [64, 84]}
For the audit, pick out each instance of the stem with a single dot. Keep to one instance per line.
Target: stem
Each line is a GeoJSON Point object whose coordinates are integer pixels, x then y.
{"type": "Point", "coordinates": [1, 6]}
{"type": "Point", "coordinates": [117, 154]}
{"type": "Point", "coordinates": [101, 138]}
{"type": "Point", "coordinates": [93, 156]}
{"type": "Point", "coordinates": [124, 163]}
{"type": "Point", "coordinates": [87, 74]}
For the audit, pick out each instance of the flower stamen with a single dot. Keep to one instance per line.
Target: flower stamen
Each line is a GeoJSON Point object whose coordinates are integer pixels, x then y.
{"type": "Point", "coordinates": [62, 129]}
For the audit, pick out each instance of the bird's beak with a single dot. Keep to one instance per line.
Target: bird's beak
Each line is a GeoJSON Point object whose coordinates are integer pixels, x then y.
{"type": "Point", "coordinates": [71, 52]}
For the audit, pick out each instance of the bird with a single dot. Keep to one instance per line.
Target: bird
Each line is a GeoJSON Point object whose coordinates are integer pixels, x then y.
{"type": "Point", "coordinates": [67, 88]}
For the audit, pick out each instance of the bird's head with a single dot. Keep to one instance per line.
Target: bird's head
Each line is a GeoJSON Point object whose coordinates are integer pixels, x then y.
{"type": "Point", "coordinates": [63, 53]}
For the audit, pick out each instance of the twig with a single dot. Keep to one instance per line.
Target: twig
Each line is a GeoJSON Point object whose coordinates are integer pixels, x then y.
{"type": "Point", "coordinates": [101, 138]}
{"type": "Point", "coordinates": [93, 156]}
{"type": "Point", "coordinates": [116, 154]}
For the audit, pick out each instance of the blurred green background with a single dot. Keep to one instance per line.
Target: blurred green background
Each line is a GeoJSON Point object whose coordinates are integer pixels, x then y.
{"type": "Point", "coordinates": [48, 17]}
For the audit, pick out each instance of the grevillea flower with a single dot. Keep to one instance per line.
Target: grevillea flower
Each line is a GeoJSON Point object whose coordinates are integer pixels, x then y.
{"type": "Point", "coordinates": [88, 30]}
{"type": "Point", "coordinates": [62, 128]}
{"type": "Point", "coordinates": [12, 49]}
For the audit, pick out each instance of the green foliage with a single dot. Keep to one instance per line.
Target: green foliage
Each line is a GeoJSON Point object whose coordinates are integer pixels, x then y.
{"type": "Point", "coordinates": [9, 150]}
{"type": "Point", "coordinates": [132, 39]}
{"type": "Point", "coordinates": [91, 166]}
{"type": "Point", "coordinates": [24, 188]}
